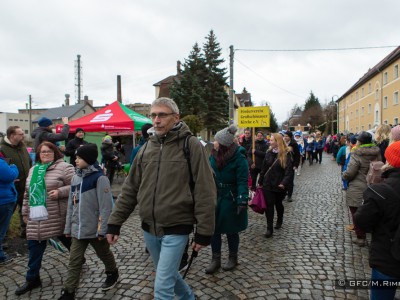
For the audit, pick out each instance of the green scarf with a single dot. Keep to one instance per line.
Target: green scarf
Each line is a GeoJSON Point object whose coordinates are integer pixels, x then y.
{"type": "Point", "coordinates": [38, 193]}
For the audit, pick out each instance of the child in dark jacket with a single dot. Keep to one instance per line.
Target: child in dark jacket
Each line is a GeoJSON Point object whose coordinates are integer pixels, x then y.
{"type": "Point", "coordinates": [89, 207]}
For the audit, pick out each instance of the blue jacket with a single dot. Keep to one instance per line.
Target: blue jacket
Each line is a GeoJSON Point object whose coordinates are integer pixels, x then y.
{"type": "Point", "coordinates": [320, 144]}
{"type": "Point", "coordinates": [8, 193]}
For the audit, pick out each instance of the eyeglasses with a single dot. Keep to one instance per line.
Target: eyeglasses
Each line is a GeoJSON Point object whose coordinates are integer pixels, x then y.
{"type": "Point", "coordinates": [161, 115]}
{"type": "Point", "coordinates": [46, 152]}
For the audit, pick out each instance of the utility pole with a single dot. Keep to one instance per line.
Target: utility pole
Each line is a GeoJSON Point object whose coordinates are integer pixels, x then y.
{"type": "Point", "coordinates": [231, 102]}
{"type": "Point", "coordinates": [30, 115]}
{"type": "Point", "coordinates": [119, 92]}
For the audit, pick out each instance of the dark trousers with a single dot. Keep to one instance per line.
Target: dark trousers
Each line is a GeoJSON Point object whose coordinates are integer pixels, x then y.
{"type": "Point", "coordinates": [254, 174]}
{"type": "Point", "coordinates": [36, 251]}
{"type": "Point", "coordinates": [360, 234]}
{"type": "Point", "coordinates": [20, 200]}
{"type": "Point", "coordinates": [233, 242]}
{"type": "Point", "coordinates": [318, 155]}
{"type": "Point", "coordinates": [77, 257]}
{"type": "Point", "coordinates": [291, 185]}
{"type": "Point", "coordinates": [110, 173]}
{"type": "Point", "coordinates": [274, 200]}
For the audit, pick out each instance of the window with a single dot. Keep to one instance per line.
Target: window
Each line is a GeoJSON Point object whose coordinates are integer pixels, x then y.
{"type": "Point", "coordinates": [356, 96]}
{"type": "Point", "coordinates": [9, 119]}
{"type": "Point", "coordinates": [362, 92]}
{"type": "Point", "coordinates": [356, 113]}
{"type": "Point", "coordinates": [385, 102]}
{"type": "Point", "coordinates": [362, 128]}
{"type": "Point", "coordinates": [376, 94]}
{"type": "Point", "coordinates": [26, 131]}
{"type": "Point", "coordinates": [396, 71]}
{"type": "Point", "coordinates": [369, 109]}
{"type": "Point", "coordinates": [385, 78]}
{"type": "Point", "coordinates": [362, 110]}
{"type": "Point", "coordinates": [369, 126]}
{"type": "Point", "coordinates": [356, 128]}
{"type": "Point", "coordinates": [396, 121]}
{"type": "Point", "coordinates": [16, 120]}
{"type": "Point", "coordinates": [369, 88]}
{"type": "Point", "coordinates": [83, 111]}
{"type": "Point", "coordinates": [396, 98]}
{"type": "Point", "coordinates": [351, 115]}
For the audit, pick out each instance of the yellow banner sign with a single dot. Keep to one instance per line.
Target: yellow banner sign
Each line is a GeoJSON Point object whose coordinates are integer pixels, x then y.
{"type": "Point", "coordinates": [254, 116]}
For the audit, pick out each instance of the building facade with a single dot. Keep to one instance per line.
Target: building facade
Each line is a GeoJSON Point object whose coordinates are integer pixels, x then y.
{"type": "Point", "coordinates": [374, 99]}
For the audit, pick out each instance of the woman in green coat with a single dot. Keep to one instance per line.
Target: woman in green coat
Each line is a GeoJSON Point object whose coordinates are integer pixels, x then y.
{"type": "Point", "coordinates": [231, 169]}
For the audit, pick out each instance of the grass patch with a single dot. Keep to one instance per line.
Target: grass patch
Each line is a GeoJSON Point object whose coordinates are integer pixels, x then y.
{"type": "Point", "coordinates": [13, 229]}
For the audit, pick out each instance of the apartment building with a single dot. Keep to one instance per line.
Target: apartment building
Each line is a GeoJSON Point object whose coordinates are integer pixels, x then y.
{"type": "Point", "coordinates": [373, 99]}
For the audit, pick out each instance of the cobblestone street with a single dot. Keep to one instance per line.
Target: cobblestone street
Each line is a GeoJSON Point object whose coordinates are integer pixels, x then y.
{"type": "Point", "coordinates": [301, 261]}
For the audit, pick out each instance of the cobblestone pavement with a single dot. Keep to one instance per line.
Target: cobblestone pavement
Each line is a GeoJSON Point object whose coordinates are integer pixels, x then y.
{"type": "Point", "coordinates": [301, 261]}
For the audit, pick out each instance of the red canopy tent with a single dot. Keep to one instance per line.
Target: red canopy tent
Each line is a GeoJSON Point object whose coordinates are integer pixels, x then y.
{"type": "Point", "coordinates": [115, 119]}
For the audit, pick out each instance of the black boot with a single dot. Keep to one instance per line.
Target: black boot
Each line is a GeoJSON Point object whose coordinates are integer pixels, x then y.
{"type": "Point", "coordinates": [111, 280]}
{"type": "Point", "coordinates": [28, 286]}
{"type": "Point", "coordinates": [232, 262]}
{"type": "Point", "coordinates": [278, 225]}
{"type": "Point", "coordinates": [215, 263]}
{"type": "Point", "coordinates": [65, 295]}
{"type": "Point", "coordinates": [268, 233]}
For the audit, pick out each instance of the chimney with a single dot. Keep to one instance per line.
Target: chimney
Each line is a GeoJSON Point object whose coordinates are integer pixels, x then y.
{"type": "Point", "coordinates": [119, 94]}
{"type": "Point", "coordinates": [178, 67]}
{"type": "Point", "coordinates": [86, 98]}
{"type": "Point", "coordinates": [66, 99]}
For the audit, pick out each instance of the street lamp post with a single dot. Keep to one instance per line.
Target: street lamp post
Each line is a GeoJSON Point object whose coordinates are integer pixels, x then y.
{"type": "Point", "coordinates": [337, 113]}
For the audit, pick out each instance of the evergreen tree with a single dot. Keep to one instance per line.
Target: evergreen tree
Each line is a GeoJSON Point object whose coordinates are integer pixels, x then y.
{"type": "Point", "coordinates": [311, 101]}
{"type": "Point", "coordinates": [187, 91]}
{"type": "Point", "coordinates": [215, 96]}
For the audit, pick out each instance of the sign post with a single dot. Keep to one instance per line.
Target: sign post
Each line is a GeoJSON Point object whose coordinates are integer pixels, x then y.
{"type": "Point", "coordinates": [252, 117]}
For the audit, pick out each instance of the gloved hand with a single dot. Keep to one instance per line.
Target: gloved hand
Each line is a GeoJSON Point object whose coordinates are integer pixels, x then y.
{"type": "Point", "coordinates": [241, 207]}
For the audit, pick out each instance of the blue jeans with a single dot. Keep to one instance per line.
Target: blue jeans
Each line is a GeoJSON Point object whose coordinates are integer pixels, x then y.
{"type": "Point", "coordinates": [6, 212]}
{"type": "Point", "coordinates": [166, 252]}
{"type": "Point", "coordinates": [36, 251]}
{"type": "Point", "coordinates": [386, 293]}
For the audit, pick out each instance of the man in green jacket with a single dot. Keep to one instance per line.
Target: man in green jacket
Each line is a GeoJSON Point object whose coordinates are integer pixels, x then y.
{"type": "Point", "coordinates": [159, 183]}
{"type": "Point", "coordinates": [14, 149]}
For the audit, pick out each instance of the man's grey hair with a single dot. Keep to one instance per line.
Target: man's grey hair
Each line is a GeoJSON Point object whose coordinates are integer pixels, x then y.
{"type": "Point", "coordinates": [167, 102]}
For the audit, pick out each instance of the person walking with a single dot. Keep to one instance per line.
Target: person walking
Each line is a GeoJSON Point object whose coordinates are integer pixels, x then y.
{"type": "Point", "coordinates": [143, 140]}
{"type": "Point", "coordinates": [74, 144]}
{"type": "Point", "coordinates": [169, 206]}
{"type": "Point", "coordinates": [311, 148]}
{"type": "Point", "coordinates": [44, 208]}
{"type": "Point", "coordinates": [259, 154]}
{"type": "Point", "coordinates": [230, 166]}
{"type": "Point", "coordinates": [356, 173]}
{"type": "Point", "coordinates": [109, 157]}
{"type": "Point", "coordinates": [274, 178]}
{"type": "Point", "coordinates": [13, 148]}
{"type": "Point", "coordinates": [298, 137]}
{"type": "Point", "coordinates": [320, 140]}
{"type": "Point", "coordinates": [8, 197]}
{"type": "Point", "coordinates": [45, 132]}
{"type": "Point", "coordinates": [382, 137]}
{"type": "Point", "coordinates": [246, 141]}
{"type": "Point", "coordinates": [89, 206]}
{"type": "Point", "coordinates": [380, 215]}
{"type": "Point", "coordinates": [295, 157]}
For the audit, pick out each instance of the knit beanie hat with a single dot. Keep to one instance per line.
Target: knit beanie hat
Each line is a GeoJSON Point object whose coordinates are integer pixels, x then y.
{"type": "Point", "coordinates": [226, 136]}
{"type": "Point", "coordinates": [44, 122]}
{"type": "Point", "coordinates": [289, 134]}
{"type": "Point", "coordinates": [392, 154]}
{"type": "Point", "coordinates": [396, 133]}
{"type": "Point", "coordinates": [146, 127]}
{"type": "Point", "coordinates": [79, 129]}
{"type": "Point", "coordinates": [298, 132]}
{"type": "Point", "coordinates": [88, 153]}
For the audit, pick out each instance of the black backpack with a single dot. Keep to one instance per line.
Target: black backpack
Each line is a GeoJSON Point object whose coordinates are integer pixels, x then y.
{"type": "Point", "coordinates": [394, 234]}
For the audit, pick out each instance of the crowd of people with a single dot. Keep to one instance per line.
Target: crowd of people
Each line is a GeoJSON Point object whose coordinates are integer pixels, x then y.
{"type": "Point", "coordinates": [186, 196]}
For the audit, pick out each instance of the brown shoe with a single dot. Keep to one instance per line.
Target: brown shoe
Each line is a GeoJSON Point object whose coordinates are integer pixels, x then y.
{"type": "Point", "coordinates": [350, 227]}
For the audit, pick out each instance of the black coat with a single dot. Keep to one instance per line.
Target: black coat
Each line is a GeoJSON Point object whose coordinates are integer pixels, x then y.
{"type": "Point", "coordinates": [259, 154]}
{"type": "Point", "coordinates": [379, 214]}
{"type": "Point", "coordinates": [277, 175]}
{"type": "Point", "coordinates": [295, 153]}
{"type": "Point", "coordinates": [71, 147]}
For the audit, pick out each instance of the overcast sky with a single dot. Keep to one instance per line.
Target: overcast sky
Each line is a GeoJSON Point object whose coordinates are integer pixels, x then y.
{"type": "Point", "coordinates": [142, 40]}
